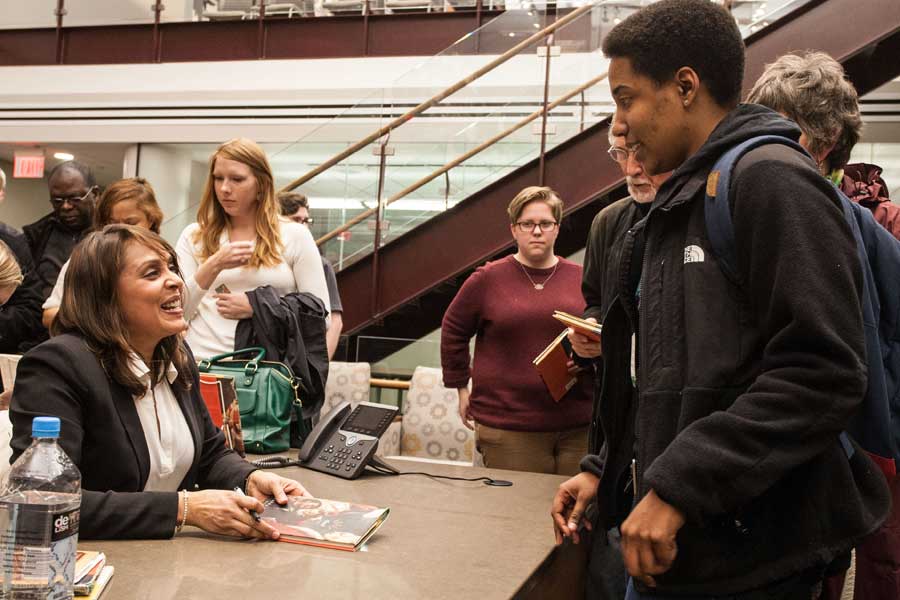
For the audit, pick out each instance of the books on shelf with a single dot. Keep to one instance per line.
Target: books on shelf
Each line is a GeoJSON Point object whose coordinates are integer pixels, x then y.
{"type": "Point", "coordinates": [325, 523]}
{"type": "Point", "coordinates": [552, 365]}
{"type": "Point", "coordinates": [587, 328]}
{"type": "Point", "coordinates": [219, 395]}
{"type": "Point", "coordinates": [91, 573]}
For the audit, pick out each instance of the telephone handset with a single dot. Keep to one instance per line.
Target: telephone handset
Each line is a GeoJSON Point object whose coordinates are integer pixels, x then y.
{"type": "Point", "coordinates": [345, 440]}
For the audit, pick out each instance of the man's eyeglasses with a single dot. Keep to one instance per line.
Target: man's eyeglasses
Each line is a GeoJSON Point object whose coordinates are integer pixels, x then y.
{"type": "Point", "coordinates": [304, 220]}
{"type": "Point", "coordinates": [620, 155]}
{"type": "Point", "coordinates": [528, 226]}
{"type": "Point", "coordinates": [73, 200]}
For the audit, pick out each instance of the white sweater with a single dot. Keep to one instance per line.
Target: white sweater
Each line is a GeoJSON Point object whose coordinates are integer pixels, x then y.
{"type": "Point", "coordinates": [300, 270]}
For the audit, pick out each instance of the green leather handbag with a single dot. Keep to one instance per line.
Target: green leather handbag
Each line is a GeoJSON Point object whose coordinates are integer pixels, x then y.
{"type": "Point", "coordinates": [268, 395]}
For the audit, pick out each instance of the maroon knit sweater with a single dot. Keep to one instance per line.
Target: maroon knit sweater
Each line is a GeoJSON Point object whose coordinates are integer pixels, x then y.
{"type": "Point", "coordinates": [513, 322]}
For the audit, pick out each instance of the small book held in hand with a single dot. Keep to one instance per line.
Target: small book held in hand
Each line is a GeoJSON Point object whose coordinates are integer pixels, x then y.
{"type": "Point", "coordinates": [587, 328]}
{"type": "Point", "coordinates": [325, 523]}
{"type": "Point", "coordinates": [552, 365]}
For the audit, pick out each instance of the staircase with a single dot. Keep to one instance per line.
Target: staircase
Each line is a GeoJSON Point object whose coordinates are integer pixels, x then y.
{"type": "Point", "coordinates": [404, 290]}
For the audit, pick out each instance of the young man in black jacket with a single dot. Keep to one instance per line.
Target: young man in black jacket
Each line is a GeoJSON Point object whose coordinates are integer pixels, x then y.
{"type": "Point", "coordinates": [729, 438]}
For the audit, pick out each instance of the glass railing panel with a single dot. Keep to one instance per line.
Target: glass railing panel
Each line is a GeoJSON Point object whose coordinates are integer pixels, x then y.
{"type": "Point", "coordinates": [463, 122]}
{"type": "Point", "coordinates": [399, 357]}
{"type": "Point", "coordinates": [755, 15]}
{"type": "Point", "coordinates": [482, 111]}
{"type": "Point", "coordinates": [81, 13]}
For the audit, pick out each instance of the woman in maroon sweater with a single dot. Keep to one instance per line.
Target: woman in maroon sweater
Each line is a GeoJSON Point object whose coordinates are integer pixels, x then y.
{"type": "Point", "coordinates": [508, 305]}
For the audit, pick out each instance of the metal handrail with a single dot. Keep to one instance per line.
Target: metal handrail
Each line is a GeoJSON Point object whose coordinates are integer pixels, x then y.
{"type": "Point", "coordinates": [462, 158]}
{"type": "Point", "coordinates": [438, 97]}
{"type": "Point", "coordinates": [391, 384]}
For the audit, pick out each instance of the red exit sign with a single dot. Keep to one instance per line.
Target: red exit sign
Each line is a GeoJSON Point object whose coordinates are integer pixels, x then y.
{"type": "Point", "coordinates": [28, 166]}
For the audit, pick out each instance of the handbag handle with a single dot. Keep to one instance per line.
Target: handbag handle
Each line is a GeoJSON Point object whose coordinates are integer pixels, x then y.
{"type": "Point", "coordinates": [249, 369]}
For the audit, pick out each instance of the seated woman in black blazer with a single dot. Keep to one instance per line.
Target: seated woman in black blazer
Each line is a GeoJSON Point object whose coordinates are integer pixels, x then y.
{"type": "Point", "coordinates": [126, 390]}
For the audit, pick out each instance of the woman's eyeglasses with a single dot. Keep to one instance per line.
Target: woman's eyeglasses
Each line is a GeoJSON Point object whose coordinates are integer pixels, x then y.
{"type": "Point", "coordinates": [528, 226]}
{"type": "Point", "coordinates": [73, 200]}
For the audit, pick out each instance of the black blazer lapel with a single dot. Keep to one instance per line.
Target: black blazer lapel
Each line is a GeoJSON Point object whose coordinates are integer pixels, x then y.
{"type": "Point", "coordinates": [131, 422]}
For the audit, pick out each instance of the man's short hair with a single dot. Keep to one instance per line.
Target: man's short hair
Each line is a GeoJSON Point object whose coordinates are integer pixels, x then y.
{"type": "Point", "coordinates": [535, 194]}
{"type": "Point", "coordinates": [291, 201]}
{"type": "Point", "coordinates": [668, 35]}
{"type": "Point", "coordinates": [73, 165]}
{"type": "Point", "coordinates": [812, 90]}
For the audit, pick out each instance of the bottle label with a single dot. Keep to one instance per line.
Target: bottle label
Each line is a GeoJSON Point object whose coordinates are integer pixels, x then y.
{"type": "Point", "coordinates": [38, 548]}
{"type": "Point", "coordinates": [65, 524]}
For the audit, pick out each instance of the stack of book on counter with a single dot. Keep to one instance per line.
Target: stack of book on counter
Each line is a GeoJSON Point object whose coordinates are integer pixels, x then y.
{"type": "Point", "coordinates": [91, 573]}
{"type": "Point", "coordinates": [325, 523]}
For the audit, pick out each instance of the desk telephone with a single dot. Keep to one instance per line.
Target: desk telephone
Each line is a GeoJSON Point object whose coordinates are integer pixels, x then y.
{"type": "Point", "coordinates": [345, 440]}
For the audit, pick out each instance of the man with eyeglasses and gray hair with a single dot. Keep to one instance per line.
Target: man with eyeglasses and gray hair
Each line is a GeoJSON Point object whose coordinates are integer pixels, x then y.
{"type": "Point", "coordinates": [607, 578]}
{"type": "Point", "coordinates": [52, 237]}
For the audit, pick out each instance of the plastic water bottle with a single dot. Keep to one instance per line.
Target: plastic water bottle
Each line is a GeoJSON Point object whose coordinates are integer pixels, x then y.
{"type": "Point", "coordinates": [39, 514]}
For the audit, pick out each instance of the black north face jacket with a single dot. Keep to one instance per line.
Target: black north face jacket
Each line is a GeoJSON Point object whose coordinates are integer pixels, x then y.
{"type": "Point", "coordinates": [742, 391]}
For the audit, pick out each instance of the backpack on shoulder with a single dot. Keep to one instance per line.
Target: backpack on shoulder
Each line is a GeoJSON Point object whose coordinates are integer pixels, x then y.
{"type": "Point", "coordinates": [876, 426]}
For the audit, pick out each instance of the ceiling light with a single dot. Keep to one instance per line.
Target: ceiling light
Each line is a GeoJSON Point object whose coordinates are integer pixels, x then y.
{"type": "Point", "coordinates": [63, 156]}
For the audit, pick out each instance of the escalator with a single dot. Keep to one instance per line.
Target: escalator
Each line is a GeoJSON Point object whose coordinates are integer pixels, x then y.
{"type": "Point", "coordinates": [403, 289]}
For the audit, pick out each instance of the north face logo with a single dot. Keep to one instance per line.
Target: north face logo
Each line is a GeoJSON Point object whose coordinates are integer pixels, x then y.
{"type": "Point", "coordinates": [693, 254]}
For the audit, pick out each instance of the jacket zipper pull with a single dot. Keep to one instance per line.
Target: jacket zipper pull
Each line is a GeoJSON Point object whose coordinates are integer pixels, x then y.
{"type": "Point", "coordinates": [634, 477]}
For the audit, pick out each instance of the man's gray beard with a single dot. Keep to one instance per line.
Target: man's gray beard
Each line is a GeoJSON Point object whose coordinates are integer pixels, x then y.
{"type": "Point", "coordinates": [640, 196]}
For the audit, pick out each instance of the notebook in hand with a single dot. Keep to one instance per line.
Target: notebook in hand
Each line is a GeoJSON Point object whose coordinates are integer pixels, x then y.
{"type": "Point", "coordinates": [325, 523]}
{"type": "Point", "coordinates": [552, 365]}
{"type": "Point", "coordinates": [587, 328]}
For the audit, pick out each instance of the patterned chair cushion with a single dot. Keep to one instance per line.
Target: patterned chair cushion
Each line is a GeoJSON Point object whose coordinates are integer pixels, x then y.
{"type": "Point", "coordinates": [346, 381]}
{"type": "Point", "coordinates": [389, 444]}
{"type": "Point", "coordinates": [431, 424]}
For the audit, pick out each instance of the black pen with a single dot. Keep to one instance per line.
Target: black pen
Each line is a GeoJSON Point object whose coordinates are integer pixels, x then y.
{"type": "Point", "coordinates": [253, 513]}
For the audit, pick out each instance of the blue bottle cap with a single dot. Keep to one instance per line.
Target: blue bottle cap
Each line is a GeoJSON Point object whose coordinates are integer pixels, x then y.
{"type": "Point", "coordinates": [45, 427]}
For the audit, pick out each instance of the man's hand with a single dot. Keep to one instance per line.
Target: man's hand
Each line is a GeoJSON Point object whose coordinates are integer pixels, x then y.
{"type": "Point", "coordinates": [464, 408]}
{"type": "Point", "coordinates": [584, 346]}
{"type": "Point", "coordinates": [570, 503]}
{"type": "Point", "coordinates": [648, 538]}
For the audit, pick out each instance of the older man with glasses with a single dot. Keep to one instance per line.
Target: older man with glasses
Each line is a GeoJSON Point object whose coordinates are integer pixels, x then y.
{"type": "Point", "coordinates": [607, 577]}
{"type": "Point", "coordinates": [52, 238]}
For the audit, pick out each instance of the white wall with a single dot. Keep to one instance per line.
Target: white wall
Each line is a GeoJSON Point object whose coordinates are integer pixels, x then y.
{"type": "Point", "coordinates": [211, 102]}
{"type": "Point", "coordinates": [27, 200]}
{"type": "Point", "coordinates": [177, 181]}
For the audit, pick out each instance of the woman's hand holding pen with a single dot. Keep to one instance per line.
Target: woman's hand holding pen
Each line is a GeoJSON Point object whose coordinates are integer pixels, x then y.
{"type": "Point", "coordinates": [233, 513]}
{"type": "Point", "coordinates": [226, 512]}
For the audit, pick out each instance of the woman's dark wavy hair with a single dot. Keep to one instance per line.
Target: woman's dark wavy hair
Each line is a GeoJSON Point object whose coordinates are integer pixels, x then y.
{"type": "Point", "coordinates": [91, 306]}
{"type": "Point", "coordinates": [668, 35]}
